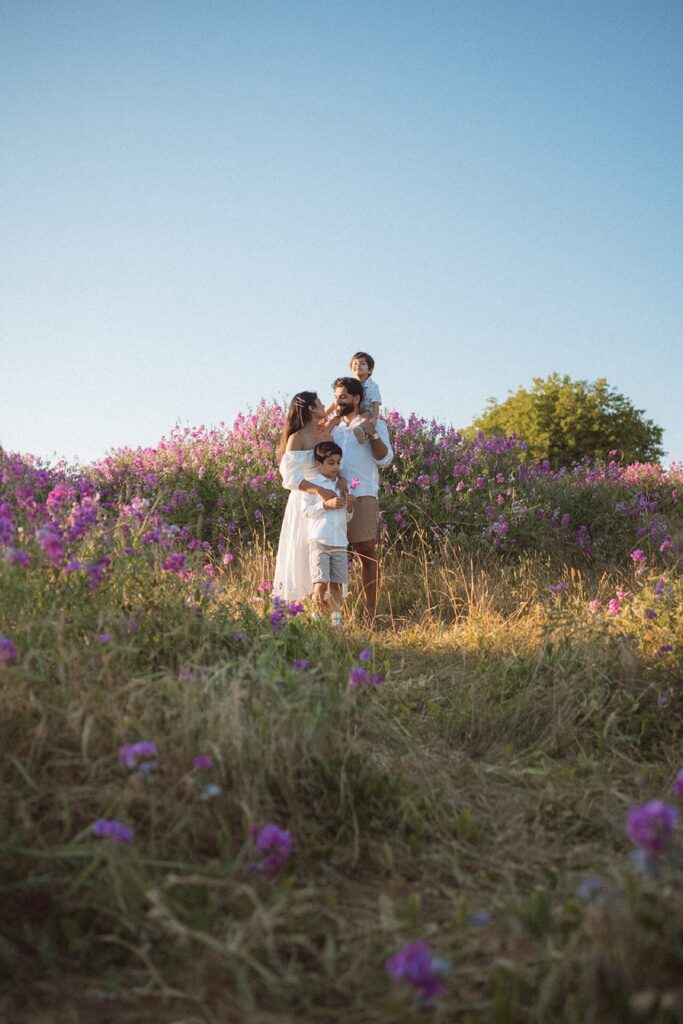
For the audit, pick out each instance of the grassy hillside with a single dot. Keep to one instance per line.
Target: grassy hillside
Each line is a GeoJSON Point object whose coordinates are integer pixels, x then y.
{"type": "Point", "coordinates": [470, 788]}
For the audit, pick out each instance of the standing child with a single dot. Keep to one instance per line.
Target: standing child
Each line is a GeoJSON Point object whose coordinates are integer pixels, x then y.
{"type": "Point", "coordinates": [362, 364]}
{"type": "Point", "coordinates": [327, 539]}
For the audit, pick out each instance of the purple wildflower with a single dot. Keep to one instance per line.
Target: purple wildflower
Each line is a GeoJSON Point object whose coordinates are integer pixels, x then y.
{"type": "Point", "coordinates": [112, 830]}
{"type": "Point", "coordinates": [275, 845]}
{"type": "Point", "coordinates": [365, 655]}
{"type": "Point", "coordinates": [239, 636]}
{"type": "Point", "coordinates": [361, 677]}
{"type": "Point", "coordinates": [130, 753]}
{"type": "Point", "coordinates": [295, 608]}
{"type": "Point", "coordinates": [651, 825]}
{"type": "Point", "coordinates": [8, 650]}
{"type": "Point", "coordinates": [104, 638]}
{"type": "Point", "coordinates": [174, 563]}
{"type": "Point", "coordinates": [52, 544]}
{"type": "Point", "coordinates": [415, 964]}
{"type": "Point", "coordinates": [203, 761]}
{"type": "Point", "coordinates": [665, 648]}
{"type": "Point", "coordinates": [358, 677]}
{"type": "Point", "coordinates": [15, 557]}
{"type": "Point", "coordinates": [277, 619]}
{"type": "Point", "coordinates": [650, 613]}
{"type": "Point", "coordinates": [638, 556]}
{"type": "Point", "coordinates": [300, 664]}
{"type": "Point", "coordinates": [614, 607]}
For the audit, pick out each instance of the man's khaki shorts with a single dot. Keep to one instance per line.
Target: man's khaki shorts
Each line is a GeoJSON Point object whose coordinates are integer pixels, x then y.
{"type": "Point", "coordinates": [364, 524]}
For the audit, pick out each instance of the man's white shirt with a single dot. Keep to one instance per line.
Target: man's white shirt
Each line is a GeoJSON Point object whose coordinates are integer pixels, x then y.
{"type": "Point", "coordinates": [358, 460]}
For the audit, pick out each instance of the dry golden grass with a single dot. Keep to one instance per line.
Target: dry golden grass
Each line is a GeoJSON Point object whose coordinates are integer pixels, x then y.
{"type": "Point", "coordinates": [491, 771]}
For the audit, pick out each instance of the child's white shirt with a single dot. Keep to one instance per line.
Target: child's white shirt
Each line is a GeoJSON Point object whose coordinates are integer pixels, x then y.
{"type": "Point", "coordinates": [325, 525]}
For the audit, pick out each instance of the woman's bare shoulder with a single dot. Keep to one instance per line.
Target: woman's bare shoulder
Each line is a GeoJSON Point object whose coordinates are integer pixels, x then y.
{"type": "Point", "coordinates": [295, 443]}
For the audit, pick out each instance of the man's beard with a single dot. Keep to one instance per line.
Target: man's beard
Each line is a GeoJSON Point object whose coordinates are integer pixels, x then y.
{"type": "Point", "coordinates": [344, 408]}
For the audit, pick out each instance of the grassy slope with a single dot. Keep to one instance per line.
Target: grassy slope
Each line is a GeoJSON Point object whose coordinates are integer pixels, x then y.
{"type": "Point", "coordinates": [492, 770]}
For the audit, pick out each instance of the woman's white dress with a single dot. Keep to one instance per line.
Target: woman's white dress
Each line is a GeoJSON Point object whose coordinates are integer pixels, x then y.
{"type": "Point", "coordinates": [292, 580]}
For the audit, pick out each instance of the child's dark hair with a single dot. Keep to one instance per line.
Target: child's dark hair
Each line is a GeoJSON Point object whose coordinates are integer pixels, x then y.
{"type": "Point", "coordinates": [368, 359]}
{"type": "Point", "coordinates": [324, 449]}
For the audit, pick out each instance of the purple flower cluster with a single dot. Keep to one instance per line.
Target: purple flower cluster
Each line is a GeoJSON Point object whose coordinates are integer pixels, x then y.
{"type": "Point", "coordinates": [360, 676]}
{"type": "Point", "coordinates": [112, 830]}
{"type": "Point", "coordinates": [8, 650]}
{"type": "Point", "coordinates": [415, 964]}
{"type": "Point", "coordinates": [650, 826]}
{"type": "Point", "coordinates": [131, 753]}
{"type": "Point", "coordinates": [281, 610]}
{"type": "Point", "coordinates": [274, 845]}
{"type": "Point", "coordinates": [202, 761]}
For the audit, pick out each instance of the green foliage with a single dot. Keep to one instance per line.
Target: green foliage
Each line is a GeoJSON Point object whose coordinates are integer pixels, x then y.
{"type": "Point", "coordinates": [564, 420]}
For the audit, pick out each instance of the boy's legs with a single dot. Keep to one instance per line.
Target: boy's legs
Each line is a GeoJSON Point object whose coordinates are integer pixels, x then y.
{"type": "Point", "coordinates": [319, 561]}
{"type": "Point", "coordinates": [319, 591]}
{"type": "Point", "coordinates": [339, 575]}
{"type": "Point", "coordinates": [336, 597]}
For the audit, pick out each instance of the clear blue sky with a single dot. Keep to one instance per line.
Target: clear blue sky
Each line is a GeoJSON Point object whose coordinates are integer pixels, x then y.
{"type": "Point", "coordinates": [204, 202]}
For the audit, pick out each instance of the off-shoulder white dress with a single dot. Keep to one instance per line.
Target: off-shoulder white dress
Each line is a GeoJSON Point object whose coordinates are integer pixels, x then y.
{"type": "Point", "coordinates": [292, 580]}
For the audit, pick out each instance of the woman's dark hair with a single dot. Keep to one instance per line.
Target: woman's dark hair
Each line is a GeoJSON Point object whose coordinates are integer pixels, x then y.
{"type": "Point", "coordinates": [324, 449]}
{"type": "Point", "coordinates": [367, 357]}
{"type": "Point", "coordinates": [298, 415]}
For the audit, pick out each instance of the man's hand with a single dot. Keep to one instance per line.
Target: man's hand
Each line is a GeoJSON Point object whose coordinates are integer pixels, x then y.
{"type": "Point", "coordinates": [350, 502]}
{"type": "Point", "coordinates": [335, 502]}
{"type": "Point", "coordinates": [324, 492]}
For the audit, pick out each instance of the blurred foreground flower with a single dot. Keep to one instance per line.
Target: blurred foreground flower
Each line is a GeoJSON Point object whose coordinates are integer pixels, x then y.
{"type": "Point", "coordinates": [130, 753]}
{"type": "Point", "coordinates": [361, 677]}
{"type": "Point", "coordinates": [8, 650]}
{"type": "Point", "coordinates": [275, 845]}
{"type": "Point", "coordinates": [650, 826]}
{"type": "Point", "coordinates": [203, 761]}
{"type": "Point", "coordinates": [415, 964]}
{"type": "Point", "coordinates": [113, 830]}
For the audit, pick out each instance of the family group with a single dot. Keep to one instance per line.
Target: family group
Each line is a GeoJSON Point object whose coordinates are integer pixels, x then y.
{"type": "Point", "coordinates": [329, 461]}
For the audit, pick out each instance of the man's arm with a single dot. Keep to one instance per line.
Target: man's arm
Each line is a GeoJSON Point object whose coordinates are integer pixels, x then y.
{"type": "Point", "coordinates": [382, 452]}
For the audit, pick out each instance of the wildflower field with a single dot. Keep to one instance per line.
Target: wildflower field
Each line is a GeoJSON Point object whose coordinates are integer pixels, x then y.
{"type": "Point", "coordinates": [216, 809]}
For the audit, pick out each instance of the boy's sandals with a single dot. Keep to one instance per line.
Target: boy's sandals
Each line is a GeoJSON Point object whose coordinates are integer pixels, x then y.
{"type": "Point", "coordinates": [359, 435]}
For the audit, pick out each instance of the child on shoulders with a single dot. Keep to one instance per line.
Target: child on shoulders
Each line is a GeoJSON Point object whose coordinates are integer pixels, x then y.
{"type": "Point", "coordinates": [362, 364]}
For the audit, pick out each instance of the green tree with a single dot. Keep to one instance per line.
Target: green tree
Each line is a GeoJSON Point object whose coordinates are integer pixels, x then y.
{"type": "Point", "coordinates": [562, 420]}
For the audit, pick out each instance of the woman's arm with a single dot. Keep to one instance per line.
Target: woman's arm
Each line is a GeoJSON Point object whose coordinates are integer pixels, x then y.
{"type": "Point", "coordinates": [322, 492]}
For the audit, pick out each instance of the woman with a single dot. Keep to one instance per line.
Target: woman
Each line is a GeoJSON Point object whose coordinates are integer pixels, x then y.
{"type": "Point", "coordinates": [303, 430]}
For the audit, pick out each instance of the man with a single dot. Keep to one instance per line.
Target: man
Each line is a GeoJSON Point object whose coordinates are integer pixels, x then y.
{"type": "Point", "coordinates": [362, 461]}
